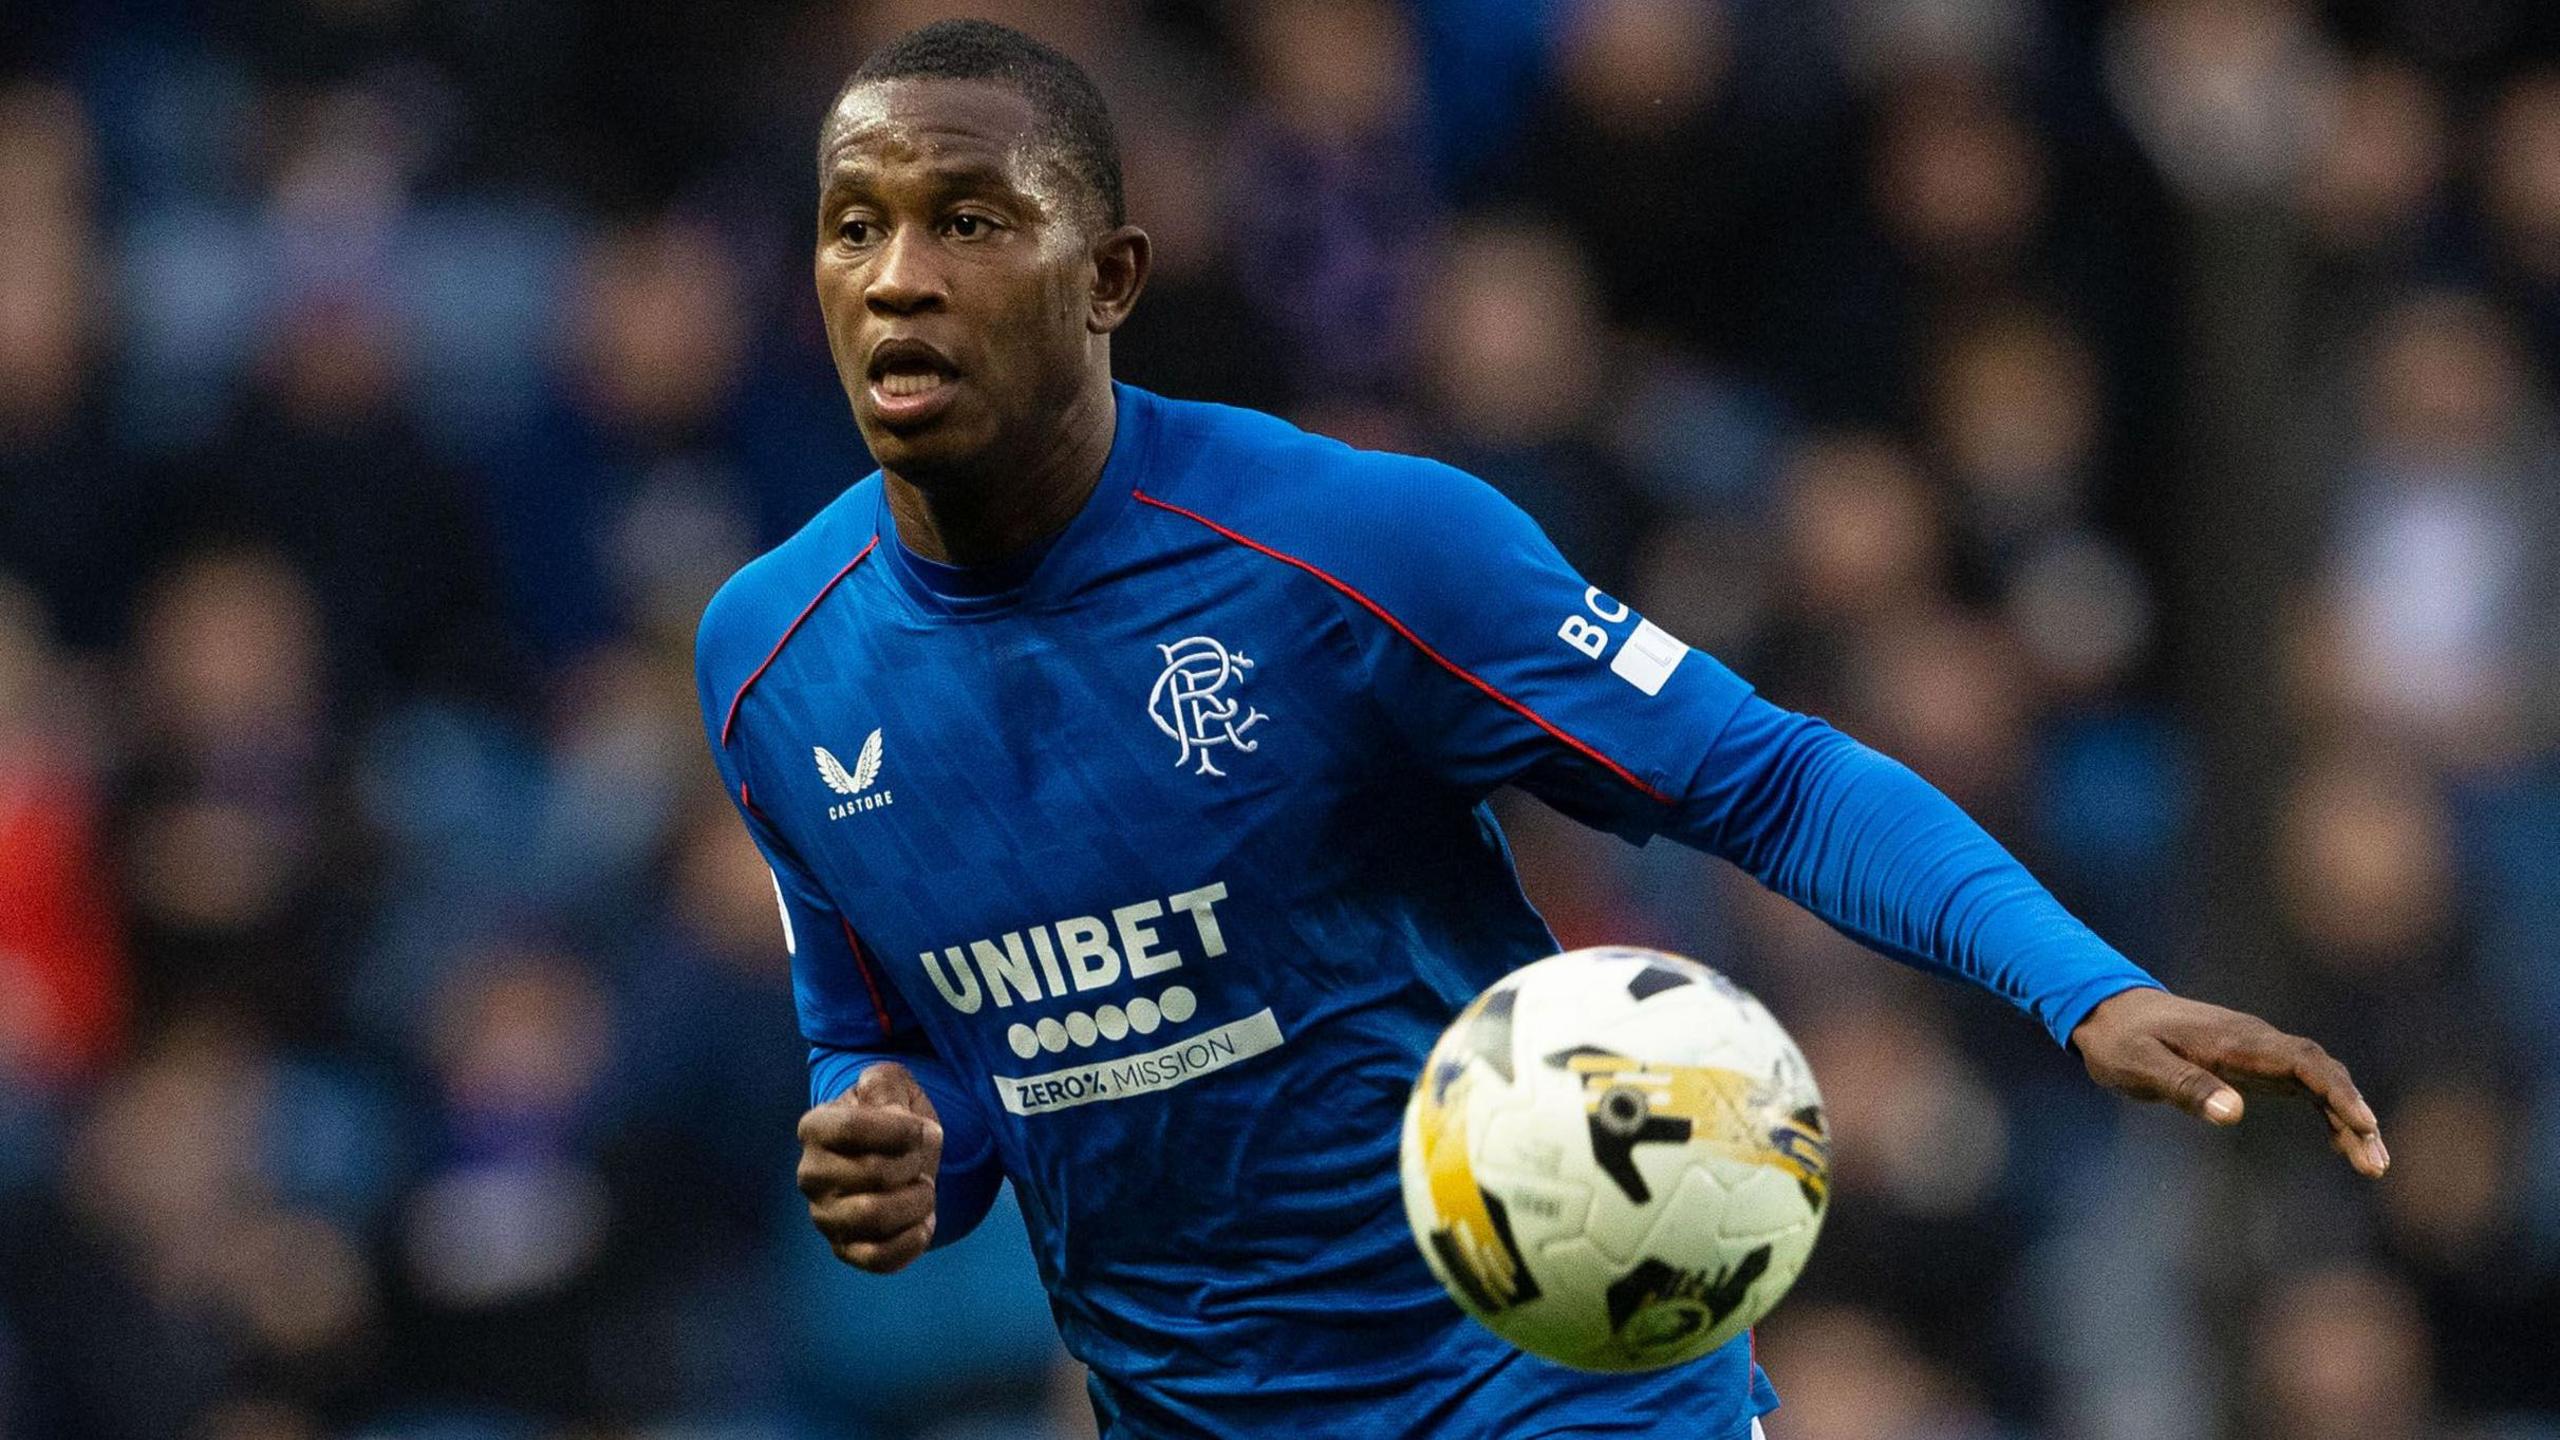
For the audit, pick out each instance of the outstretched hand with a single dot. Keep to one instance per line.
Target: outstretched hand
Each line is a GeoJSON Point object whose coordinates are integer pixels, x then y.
{"type": "Point", "coordinates": [2152, 1045]}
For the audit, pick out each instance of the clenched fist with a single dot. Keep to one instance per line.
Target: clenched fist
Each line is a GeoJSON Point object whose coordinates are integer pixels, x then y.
{"type": "Point", "coordinates": [2152, 1045]}
{"type": "Point", "coordinates": [867, 1162]}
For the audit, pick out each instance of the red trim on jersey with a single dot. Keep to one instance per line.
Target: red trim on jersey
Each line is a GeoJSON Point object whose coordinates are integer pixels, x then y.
{"type": "Point", "coordinates": [868, 981]}
{"type": "Point", "coordinates": [788, 631]}
{"type": "Point", "coordinates": [1398, 626]}
{"type": "Point", "coordinates": [749, 801]}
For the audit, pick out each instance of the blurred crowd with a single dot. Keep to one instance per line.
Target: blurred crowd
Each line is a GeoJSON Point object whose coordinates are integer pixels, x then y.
{"type": "Point", "coordinates": [2140, 417]}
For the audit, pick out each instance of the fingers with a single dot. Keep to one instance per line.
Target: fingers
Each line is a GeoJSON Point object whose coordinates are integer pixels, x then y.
{"type": "Point", "coordinates": [2127, 1043]}
{"type": "Point", "coordinates": [2166, 1075]}
{"type": "Point", "coordinates": [892, 1084]}
{"type": "Point", "coordinates": [2153, 1045]}
{"type": "Point", "coordinates": [2204, 1095]}
{"type": "Point", "coordinates": [873, 1215]}
{"type": "Point", "coordinates": [867, 1164]}
{"type": "Point", "coordinates": [2269, 1057]}
{"type": "Point", "coordinates": [826, 1172]}
{"type": "Point", "coordinates": [852, 1125]}
{"type": "Point", "coordinates": [2320, 1073]}
{"type": "Point", "coordinates": [2365, 1153]}
{"type": "Point", "coordinates": [889, 1256]}
{"type": "Point", "coordinates": [878, 1231]}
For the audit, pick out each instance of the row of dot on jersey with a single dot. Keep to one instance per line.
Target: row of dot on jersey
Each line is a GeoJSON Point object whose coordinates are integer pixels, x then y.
{"type": "Point", "coordinates": [1055, 1033]}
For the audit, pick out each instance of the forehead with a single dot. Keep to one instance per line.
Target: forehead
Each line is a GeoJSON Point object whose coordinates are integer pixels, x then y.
{"type": "Point", "coordinates": [888, 124]}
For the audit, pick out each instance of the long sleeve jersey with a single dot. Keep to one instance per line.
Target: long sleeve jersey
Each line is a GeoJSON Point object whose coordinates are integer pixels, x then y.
{"type": "Point", "coordinates": [1164, 862]}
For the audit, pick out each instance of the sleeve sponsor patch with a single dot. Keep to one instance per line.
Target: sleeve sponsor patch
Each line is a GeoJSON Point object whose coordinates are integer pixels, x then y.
{"type": "Point", "coordinates": [1648, 658]}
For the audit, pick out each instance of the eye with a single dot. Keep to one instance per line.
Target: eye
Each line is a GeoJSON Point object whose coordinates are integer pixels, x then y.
{"type": "Point", "coordinates": [856, 232]}
{"type": "Point", "coordinates": [965, 226]}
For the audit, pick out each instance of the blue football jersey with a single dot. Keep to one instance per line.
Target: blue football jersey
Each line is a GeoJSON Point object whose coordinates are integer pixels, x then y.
{"type": "Point", "coordinates": [1165, 866]}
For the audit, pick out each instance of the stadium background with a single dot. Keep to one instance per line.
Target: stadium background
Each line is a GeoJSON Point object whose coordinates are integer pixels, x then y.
{"type": "Point", "coordinates": [2140, 417]}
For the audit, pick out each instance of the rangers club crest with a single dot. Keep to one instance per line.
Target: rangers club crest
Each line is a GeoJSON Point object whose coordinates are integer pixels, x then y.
{"type": "Point", "coordinates": [1190, 703]}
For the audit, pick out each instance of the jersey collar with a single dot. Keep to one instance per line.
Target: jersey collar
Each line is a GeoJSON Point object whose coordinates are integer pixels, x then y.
{"type": "Point", "coordinates": [1068, 557]}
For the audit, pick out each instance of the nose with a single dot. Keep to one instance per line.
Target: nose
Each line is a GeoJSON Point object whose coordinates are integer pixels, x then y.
{"type": "Point", "coordinates": [904, 277]}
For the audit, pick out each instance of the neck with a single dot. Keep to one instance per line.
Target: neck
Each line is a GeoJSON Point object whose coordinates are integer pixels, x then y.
{"type": "Point", "coordinates": [1007, 507]}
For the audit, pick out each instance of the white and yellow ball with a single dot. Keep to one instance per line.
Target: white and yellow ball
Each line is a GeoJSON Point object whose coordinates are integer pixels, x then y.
{"type": "Point", "coordinates": [1615, 1158]}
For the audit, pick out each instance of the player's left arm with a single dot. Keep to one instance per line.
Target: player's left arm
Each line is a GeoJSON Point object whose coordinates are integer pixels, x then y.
{"type": "Point", "coordinates": [1886, 857]}
{"type": "Point", "coordinates": [1500, 665]}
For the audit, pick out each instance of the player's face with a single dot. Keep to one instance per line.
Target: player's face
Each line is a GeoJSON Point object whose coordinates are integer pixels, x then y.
{"type": "Point", "coordinates": [956, 270]}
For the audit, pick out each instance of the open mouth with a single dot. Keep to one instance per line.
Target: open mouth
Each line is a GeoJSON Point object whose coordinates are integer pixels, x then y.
{"type": "Point", "coordinates": [910, 381]}
{"type": "Point", "coordinates": [907, 384]}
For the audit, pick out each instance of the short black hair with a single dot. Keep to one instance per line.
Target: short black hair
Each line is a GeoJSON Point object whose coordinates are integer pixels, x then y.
{"type": "Point", "coordinates": [1072, 115]}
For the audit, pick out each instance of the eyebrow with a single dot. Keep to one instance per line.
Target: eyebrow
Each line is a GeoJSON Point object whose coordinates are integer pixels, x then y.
{"type": "Point", "coordinates": [946, 175]}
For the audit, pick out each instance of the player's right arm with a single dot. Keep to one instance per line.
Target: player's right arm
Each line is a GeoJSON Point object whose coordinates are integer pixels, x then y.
{"type": "Point", "coordinates": [894, 1156]}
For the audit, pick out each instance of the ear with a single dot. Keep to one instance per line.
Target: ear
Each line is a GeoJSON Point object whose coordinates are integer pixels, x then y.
{"type": "Point", "coordinates": [1120, 261]}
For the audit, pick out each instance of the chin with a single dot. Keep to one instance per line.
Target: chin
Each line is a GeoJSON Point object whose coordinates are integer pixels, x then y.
{"type": "Point", "coordinates": [921, 455]}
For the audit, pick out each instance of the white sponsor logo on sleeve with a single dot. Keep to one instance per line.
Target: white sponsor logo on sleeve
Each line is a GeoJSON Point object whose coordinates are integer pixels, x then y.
{"type": "Point", "coordinates": [1647, 658]}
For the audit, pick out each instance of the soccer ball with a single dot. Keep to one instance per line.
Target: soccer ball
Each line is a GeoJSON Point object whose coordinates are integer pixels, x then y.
{"type": "Point", "coordinates": [1615, 1159]}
